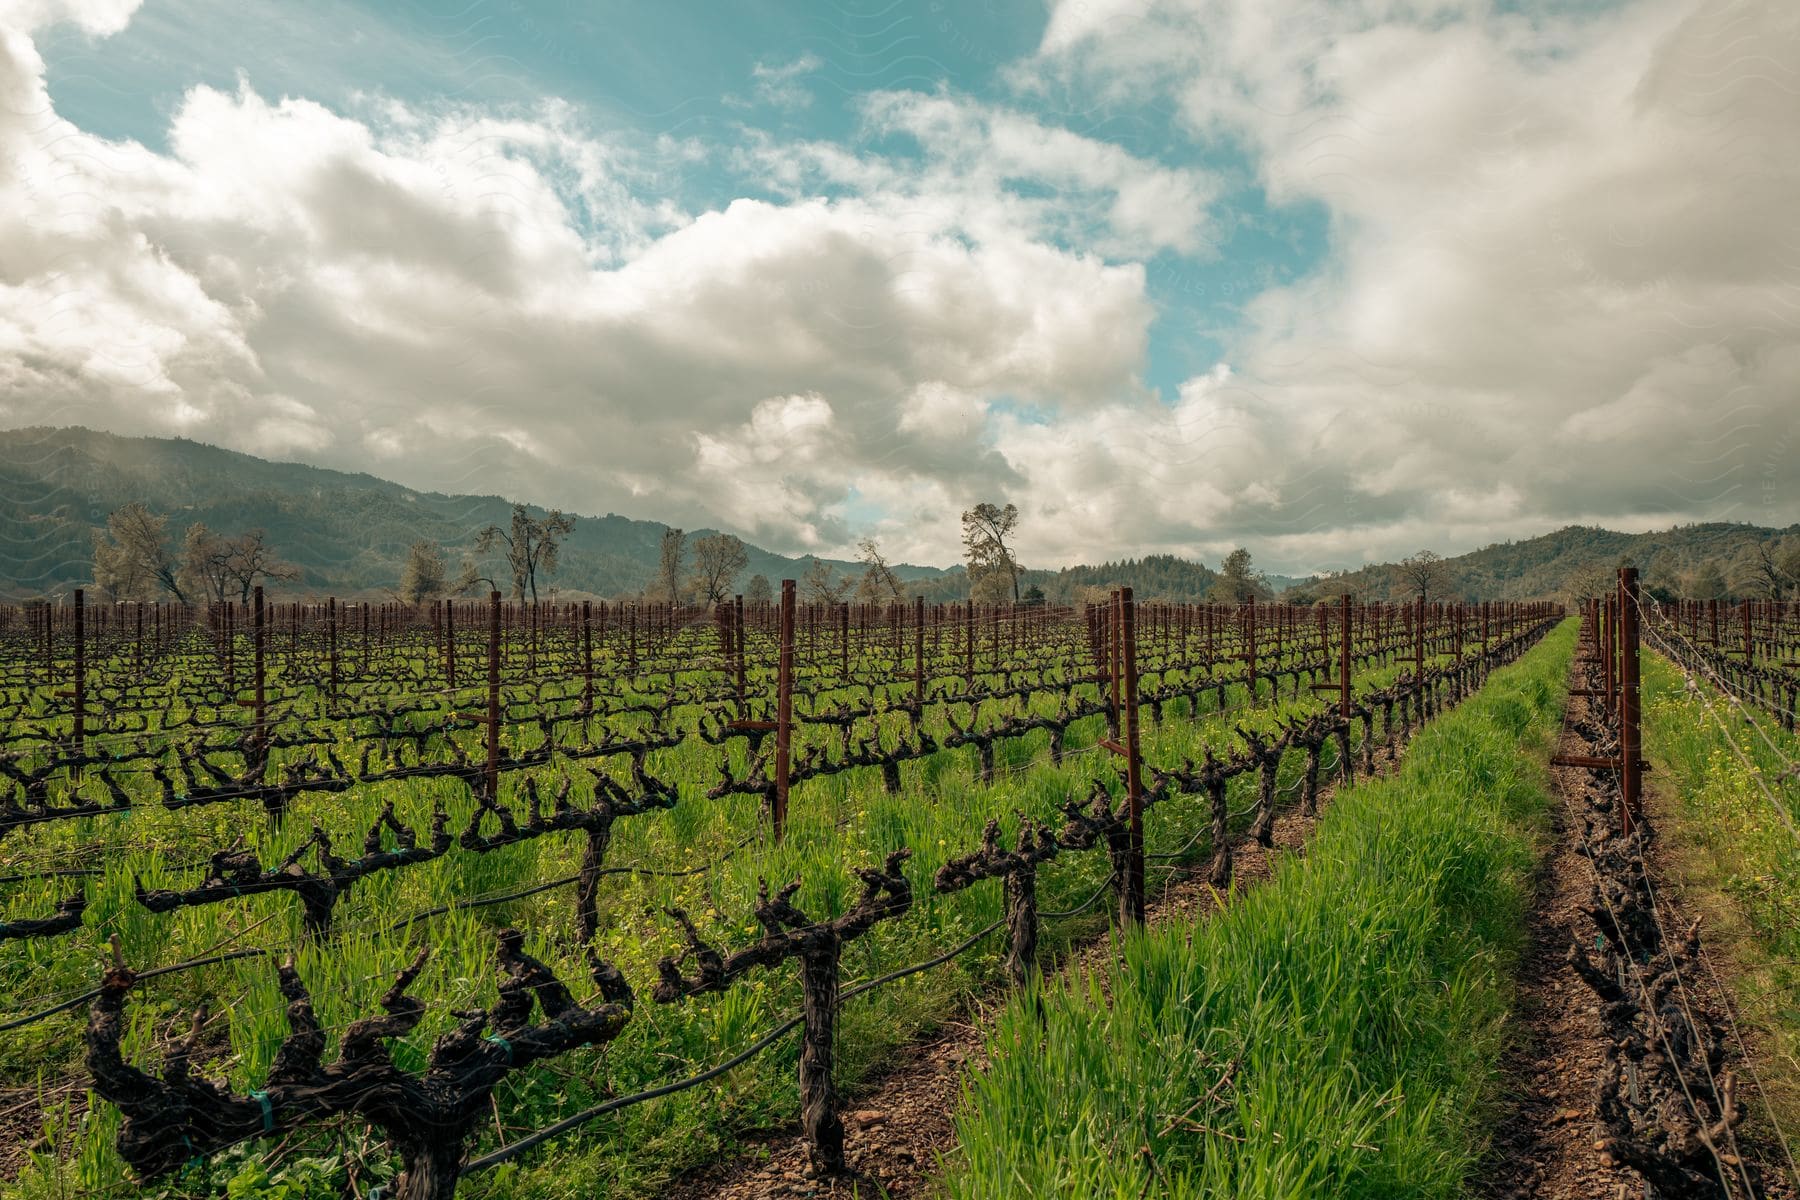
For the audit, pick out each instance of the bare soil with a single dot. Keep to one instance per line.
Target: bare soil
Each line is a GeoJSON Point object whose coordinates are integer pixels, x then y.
{"type": "Point", "coordinates": [1544, 1146]}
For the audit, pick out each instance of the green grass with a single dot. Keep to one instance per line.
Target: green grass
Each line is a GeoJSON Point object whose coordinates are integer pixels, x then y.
{"type": "Point", "coordinates": [1737, 857]}
{"type": "Point", "coordinates": [1334, 1033]}
{"type": "Point", "coordinates": [836, 823]}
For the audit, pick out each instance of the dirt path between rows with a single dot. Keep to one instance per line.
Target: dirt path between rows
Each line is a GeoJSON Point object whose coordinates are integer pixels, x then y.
{"type": "Point", "coordinates": [1543, 1148]}
{"type": "Point", "coordinates": [1545, 1144]}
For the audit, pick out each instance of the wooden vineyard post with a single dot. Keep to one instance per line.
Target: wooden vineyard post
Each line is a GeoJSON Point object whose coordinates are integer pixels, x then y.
{"type": "Point", "coordinates": [784, 709]}
{"type": "Point", "coordinates": [844, 642]}
{"type": "Point", "coordinates": [1132, 893]}
{"type": "Point", "coordinates": [1419, 639]}
{"type": "Point", "coordinates": [1344, 661]}
{"type": "Point", "coordinates": [1630, 733]}
{"type": "Point", "coordinates": [969, 645]}
{"type": "Point", "coordinates": [492, 773]}
{"type": "Point", "coordinates": [262, 693]}
{"type": "Point", "coordinates": [331, 648]}
{"type": "Point", "coordinates": [1609, 640]}
{"type": "Point", "coordinates": [450, 643]}
{"type": "Point", "coordinates": [79, 727]}
{"type": "Point", "coordinates": [1250, 646]}
{"type": "Point", "coordinates": [587, 657]}
{"type": "Point", "coordinates": [1456, 648]}
{"type": "Point", "coordinates": [1110, 622]}
{"type": "Point", "coordinates": [919, 653]}
{"type": "Point", "coordinates": [737, 650]}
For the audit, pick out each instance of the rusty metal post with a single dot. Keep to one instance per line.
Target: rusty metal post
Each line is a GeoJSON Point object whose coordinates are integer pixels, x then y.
{"type": "Point", "coordinates": [262, 694]}
{"type": "Point", "coordinates": [1344, 661]}
{"type": "Point", "coordinates": [1609, 641]}
{"type": "Point", "coordinates": [450, 643]}
{"type": "Point", "coordinates": [784, 709]}
{"type": "Point", "coordinates": [1114, 667]}
{"type": "Point", "coordinates": [969, 644]}
{"type": "Point", "coordinates": [587, 657]}
{"type": "Point", "coordinates": [1132, 896]}
{"type": "Point", "coordinates": [737, 620]}
{"type": "Point", "coordinates": [492, 773]}
{"type": "Point", "coordinates": [1419, 638]}
{"type": "Point", "coordinates": [919, 652]}
{"type": "Point", "coordinates": [1630, 732]}
{"type": "Point", "coordinates": [79, 728]}
{"type": "Point", "coordinates": [1250, 645]}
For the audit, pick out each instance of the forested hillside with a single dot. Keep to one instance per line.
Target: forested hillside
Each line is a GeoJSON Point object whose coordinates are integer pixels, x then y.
{"type": "Point", "coordinates": [347, 533]}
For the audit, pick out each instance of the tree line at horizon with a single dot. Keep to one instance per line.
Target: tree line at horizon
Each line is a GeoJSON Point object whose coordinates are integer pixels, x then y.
{"type": "Point", "coordinates": [136, 559]}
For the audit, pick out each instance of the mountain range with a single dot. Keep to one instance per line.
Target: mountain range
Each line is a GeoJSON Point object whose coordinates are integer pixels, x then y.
{"type": "Point", "coordinates": [349, 533]}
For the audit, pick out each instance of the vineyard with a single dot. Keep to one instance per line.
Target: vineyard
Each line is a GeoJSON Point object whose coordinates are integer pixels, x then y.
{"type": "Point", "coordinates": [500, 899]}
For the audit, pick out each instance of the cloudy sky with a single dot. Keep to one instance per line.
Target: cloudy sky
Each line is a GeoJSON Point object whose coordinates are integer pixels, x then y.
{"type": "Point", "coordinates": [1336, 281]}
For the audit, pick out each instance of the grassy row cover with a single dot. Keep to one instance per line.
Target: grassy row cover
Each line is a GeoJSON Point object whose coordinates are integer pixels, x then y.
{"type": "Point", "coordinates": [837, 823]}
{"type": "Point", "coordinates": [1334, 1033]}
{"type": "Point", "coordinates": [1716, 791]}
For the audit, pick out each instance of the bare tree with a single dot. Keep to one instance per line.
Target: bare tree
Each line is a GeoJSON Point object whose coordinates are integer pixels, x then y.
{"type": "Point", "coordinates": [822, 585]}
{"type": "Point", "coordinates": [532, 545]}
{"type": "Point", "coordinates": [1760, 567]}
{"type": "Point", "coordinates": [718, 560]}
{"type": "Point", "coordinates": [221, 566]}
{"type": "Point", "coordinates": [248, 558]}
{"type": "Point", "coordinates": [668, 570]}
{"type": "Point", "coordinates": [1424, 573]}
{"type": "Point", "coordinates": [879, 584]}
{"type": "Point", "coordinates": [202, 570]}
{"type": "Point", "coordinates": [132, 559]}
{"type": "Point", "coordinates": [758, 591]}
{"type": "Point", "coordinates": [1590, 581]}
{"type": "Point", "coordinates": [985, 529]}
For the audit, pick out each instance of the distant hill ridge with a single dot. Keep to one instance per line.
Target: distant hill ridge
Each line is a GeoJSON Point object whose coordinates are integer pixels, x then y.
{"type": "Point", "coordinates": [349, 533]}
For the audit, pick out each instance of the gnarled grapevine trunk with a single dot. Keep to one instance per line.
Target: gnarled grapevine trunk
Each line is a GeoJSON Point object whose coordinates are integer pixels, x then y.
{"type": "Point", "coordinates": [1021, 926]}
{"type": "Point", "coordinates": [587, 883]}
{"type": "Point", "coordinates": [1219, 874]}
{"type": "Point", "coordinates": [820, 1124]}
{"type": "Point", "coordinates": [1263, 827]}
